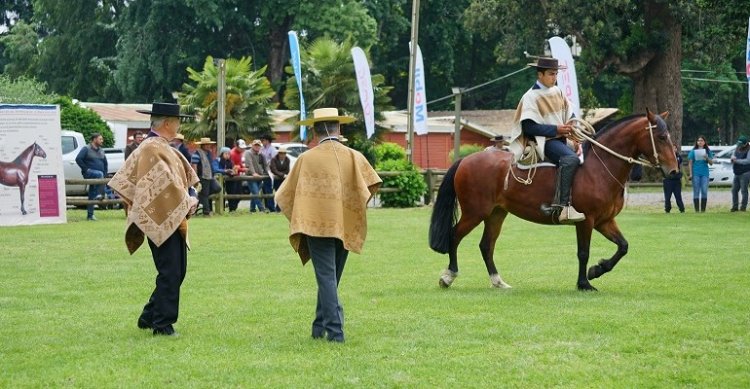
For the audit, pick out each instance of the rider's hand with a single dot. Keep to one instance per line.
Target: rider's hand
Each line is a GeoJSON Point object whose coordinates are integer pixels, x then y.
{"type": "Point", "coordinates": [564, 130]}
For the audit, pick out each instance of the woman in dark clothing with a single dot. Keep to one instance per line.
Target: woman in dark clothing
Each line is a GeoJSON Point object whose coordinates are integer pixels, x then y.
{"type": "Point", "coordinates": [279, 169]}
{"type": "Point", "coordinates": [230, 187]}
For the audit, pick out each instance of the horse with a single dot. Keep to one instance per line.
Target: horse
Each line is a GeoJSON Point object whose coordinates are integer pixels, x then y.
{"type": "Point", "coordinates": [16, 173]}
{"type": "Point", "coordinates": [480, 183]}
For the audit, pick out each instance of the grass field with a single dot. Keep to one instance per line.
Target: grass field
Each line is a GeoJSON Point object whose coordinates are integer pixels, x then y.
{"type": "Point", "coordinates": [673, 313]}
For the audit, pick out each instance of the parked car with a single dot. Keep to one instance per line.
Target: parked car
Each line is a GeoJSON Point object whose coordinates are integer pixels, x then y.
{"type": "Point", "coordinates": [293, 150]}
{"type": "Point", "coordinates": [72, 143]}
{"type": "Point", "coordinates": [720, 173]}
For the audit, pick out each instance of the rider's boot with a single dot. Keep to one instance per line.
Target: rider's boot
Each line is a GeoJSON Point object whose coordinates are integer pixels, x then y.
{"type": "Point", "coordinates": [565, 173]}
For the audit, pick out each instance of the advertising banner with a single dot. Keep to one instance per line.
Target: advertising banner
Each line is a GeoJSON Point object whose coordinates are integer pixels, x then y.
{"type": "Point", "coordinates": [420, 96]}
{"type": "Point", "coordinates": [297, 66]}
{"type": "Point", "coordinates": [32, 184]}
{"type": "Point", "coordinates": [566, 78]}
{"type": "Point", "coordinates": [364, 83]}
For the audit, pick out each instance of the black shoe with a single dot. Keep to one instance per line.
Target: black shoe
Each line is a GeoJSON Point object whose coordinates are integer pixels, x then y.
{"type": "Point", "coordinates": [733, 209]}
{"type": "Point", "coordinates": [143, 324]}
{"type": "Point", "coordinates": [166, 331]}
{"type": "Point", "coordinates": [91, 218]}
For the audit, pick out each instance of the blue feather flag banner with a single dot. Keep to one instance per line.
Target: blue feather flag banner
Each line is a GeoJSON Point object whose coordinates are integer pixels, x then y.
{"type": "Point", "coordinates": [297, 66]}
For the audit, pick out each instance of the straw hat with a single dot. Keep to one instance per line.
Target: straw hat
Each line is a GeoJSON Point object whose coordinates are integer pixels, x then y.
{"type": "Point", "coordinates": [205, 141]}
{"type": "Point", "coordinates": [326, 115]}
{"type": "Point", "coordinates": [180, 137]}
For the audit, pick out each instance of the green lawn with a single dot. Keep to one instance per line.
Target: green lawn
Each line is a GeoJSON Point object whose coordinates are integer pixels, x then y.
{"type": "Point", "coordinates": [674, 313]}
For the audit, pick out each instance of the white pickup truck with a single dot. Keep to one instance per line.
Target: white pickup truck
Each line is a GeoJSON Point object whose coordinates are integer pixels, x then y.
{"type": "Point", "coordinates": [72, 143]}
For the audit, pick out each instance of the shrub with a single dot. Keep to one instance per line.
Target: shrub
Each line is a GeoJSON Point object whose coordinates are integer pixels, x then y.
{"type": "Point", "coordinates": [466, 150]}
{"type": "Point", "coordinates": [410, 183]}
{"type": "Point", "coordinates": [388, 152]}
{"type": "Point", "coordinates": [76, 118]}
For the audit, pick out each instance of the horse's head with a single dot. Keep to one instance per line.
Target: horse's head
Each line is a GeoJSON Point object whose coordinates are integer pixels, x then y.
{"type": "Point", "coordinates": [656, 144]}
{"type": "Point", "coordinates": [39, 151]}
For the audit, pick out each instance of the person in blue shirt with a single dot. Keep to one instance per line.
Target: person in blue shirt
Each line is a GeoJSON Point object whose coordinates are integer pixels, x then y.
{"type": "Point", "coordinates": [699, 158]}
{"type": "Point", "coordinates": [93, 163]}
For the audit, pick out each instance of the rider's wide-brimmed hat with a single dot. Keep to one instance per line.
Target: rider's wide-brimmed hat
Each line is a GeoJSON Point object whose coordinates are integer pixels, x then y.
{"type": "Point", "coordinates": [164, 109]}
{"type": "Point", "coordinates": [205, 141]}
{"type": "Point", "coordinates": [326, 115]}
{"type": "Point", "coordinates": [547, 63]}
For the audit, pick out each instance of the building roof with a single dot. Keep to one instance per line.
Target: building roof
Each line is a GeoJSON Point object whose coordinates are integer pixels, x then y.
{"type": "Point", "coordinates": [485, 122]}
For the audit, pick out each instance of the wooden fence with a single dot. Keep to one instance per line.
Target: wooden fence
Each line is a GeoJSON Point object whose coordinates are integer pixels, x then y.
{"type": "Point", "coordinates": [433, 178]}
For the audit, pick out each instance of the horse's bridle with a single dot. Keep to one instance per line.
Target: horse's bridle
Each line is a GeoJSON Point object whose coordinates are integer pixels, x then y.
{"type": "Point", "coordinates": [583, 133]}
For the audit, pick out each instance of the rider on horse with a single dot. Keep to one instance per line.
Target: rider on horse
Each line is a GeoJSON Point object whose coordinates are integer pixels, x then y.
{"type": "Point", "coordinates": [544, 114]}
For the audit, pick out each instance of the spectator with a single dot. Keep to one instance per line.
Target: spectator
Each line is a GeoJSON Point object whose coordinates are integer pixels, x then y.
{"type": "Point", "coordinates": [267, 149]}
{"type": "Point", "coordinates": [229, 169]}
{"type": "Point", "coordinates": [741, 169]}
{"type": "Point", "coordinates": [500, 142]}
{"type": "Point", "coordinates": [279, 169]}
{"type": "Point", "coordinates": [137, 139]}
{"type": "Point", "coordinates": [699, 158]}
{"type": "Point", "coordinates": [673, 186]}
{"type": "Point", "coordinates": [179, 143]}
{"type": "Point", "coordinates": [156, 183]}
{"type": "Point", "coordinates": [93, 163]}
{"type": "Point", "coordinates": [206, 166]}
{"type": "Point", "coordinates": [257, 167]}
{"type": "Point", "coordinates": [327, 216]}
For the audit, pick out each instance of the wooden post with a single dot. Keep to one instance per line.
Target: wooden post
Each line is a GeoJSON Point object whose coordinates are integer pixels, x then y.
{"type": "Point", "coordinates": [219, 208]}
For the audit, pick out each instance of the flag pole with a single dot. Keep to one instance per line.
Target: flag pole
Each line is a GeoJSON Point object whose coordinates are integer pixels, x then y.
{"type": "Point", "coordinates": [412, 66]}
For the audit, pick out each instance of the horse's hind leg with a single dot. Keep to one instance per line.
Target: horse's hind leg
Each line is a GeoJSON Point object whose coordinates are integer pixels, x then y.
{"type": "Point", "coordinates": [611, 231]}
{"type": "Point", "coordinates": [492, 227]}
{"type": "Point", "coordinates": [463, 227]}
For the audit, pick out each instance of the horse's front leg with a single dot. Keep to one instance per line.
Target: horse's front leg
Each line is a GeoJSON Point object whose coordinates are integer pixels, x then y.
{"type": "Point", "coordinates": [464, 226]}
{"type": "Point", "coordinates": [583, 236]}
{"type": "Point", "coordinates": [21, 191]}
{"type": "Point", "coordinates": [611, 231]}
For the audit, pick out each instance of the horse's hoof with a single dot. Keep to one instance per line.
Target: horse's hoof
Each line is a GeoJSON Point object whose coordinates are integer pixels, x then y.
{"type": "Point", "coordinates": [587, 288]}
{"type": "Point", "coordinates": [498, 282]}
{"type": "Point", "coordinates": [447, 278]}
{"type": "Point", "coordinates": [594, 272]}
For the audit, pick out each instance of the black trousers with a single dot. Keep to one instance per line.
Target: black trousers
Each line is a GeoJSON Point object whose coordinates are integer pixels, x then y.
{"type": "Point", "coordinates": [328, 258]}
{"type": "Point", "coordinates": [170, 260]}
{"type": "Point", "coordinates": [673, 187]}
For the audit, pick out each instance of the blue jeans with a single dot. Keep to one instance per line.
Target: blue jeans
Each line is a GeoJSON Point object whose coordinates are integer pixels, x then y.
{"type": "Point", "coordinates": [554, 149]}
{"type": "Point", "coordinates": [700, 187]}
{"type": "Point", "coordinates": [255, 204]}
{"type": "Point", "coordinates": [328, 258]}
{"type": "Point", "coordinates": [94, 190]}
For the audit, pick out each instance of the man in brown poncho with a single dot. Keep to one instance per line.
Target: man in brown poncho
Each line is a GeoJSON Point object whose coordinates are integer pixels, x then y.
{"type": "Point", "coordinates": [156, 183]}
{"type": "Point", "coordinates": [325, 199]}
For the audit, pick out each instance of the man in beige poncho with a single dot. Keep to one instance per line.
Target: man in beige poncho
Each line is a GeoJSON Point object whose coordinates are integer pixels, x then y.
{"type": "Point", "coordinates": [325, 199]}
{"type": "Point", "coordinates": [544, 114]}
{"type": "Point", "coordinates": [156, 183]}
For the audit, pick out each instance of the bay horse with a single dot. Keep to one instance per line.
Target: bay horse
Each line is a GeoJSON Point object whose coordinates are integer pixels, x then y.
{"type": "Point", "coordinates": [485, 186]}
{"type": "Point", "coordinates": [16, 173]}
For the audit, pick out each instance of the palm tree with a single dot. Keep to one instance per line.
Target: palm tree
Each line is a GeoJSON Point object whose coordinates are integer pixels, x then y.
{"type": "Point", "coordinates": [248, 100]}
{"type": "Point", "coordinates": [329, 80]}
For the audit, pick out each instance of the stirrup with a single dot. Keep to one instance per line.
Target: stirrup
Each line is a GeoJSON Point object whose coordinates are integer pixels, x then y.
{"type": "Point", "coordinates": [569, 215]}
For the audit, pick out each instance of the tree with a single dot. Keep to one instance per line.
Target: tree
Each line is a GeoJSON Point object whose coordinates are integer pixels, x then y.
{"type": "Point", "coordinates": [77, 39]}
{"type": "Point", "coordinates": [248, 100]}
{"type": "Point", "coordinates": [24, 90]}
{"type": "Point", "coordinates": [328, 80]}
{"type": "Point", "coordinates": [641, 40]}
{"type": "Point", "coordinates": [21, 54]}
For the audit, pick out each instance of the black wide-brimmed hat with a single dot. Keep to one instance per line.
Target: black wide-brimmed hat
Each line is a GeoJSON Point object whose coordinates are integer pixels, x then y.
{"type": "Point", "coordinates": [164, 109]}
{"type": "Point", "coordinates": [547, 63]}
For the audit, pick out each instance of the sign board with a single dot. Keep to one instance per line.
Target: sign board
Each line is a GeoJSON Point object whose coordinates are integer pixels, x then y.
{"type": "Point", "coordinates": [32, 184]}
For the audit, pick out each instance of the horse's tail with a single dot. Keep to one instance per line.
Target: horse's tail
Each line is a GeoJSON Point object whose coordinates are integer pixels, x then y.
{"type": "Point", "coordinates": [444, 213]}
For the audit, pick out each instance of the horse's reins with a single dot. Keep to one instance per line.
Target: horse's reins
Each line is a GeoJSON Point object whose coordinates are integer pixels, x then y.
{"type": "Point", "coordinates": [582, 133]}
